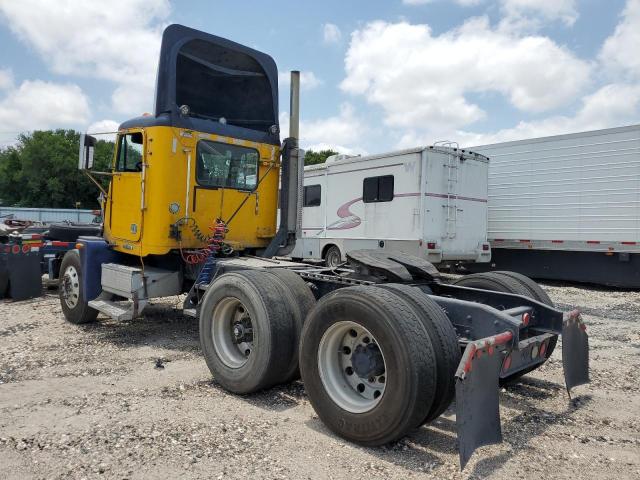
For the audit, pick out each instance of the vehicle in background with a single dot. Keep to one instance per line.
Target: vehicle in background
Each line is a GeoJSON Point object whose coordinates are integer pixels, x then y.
{"type": "Point", "coordinates": [567, 207]}
{"type": "Point", "coordinates": [430, 202]}
{"type": "Point", "coordinates": [50, 215]}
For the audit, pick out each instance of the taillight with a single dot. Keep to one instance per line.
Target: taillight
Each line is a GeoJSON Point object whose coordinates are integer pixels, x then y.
{"type": "Point", "coordinates": [485, 247]}
{"type": "Point", "coordinates": [526, 318]}
{"type": "Point", "coordinates": [543, 349]}
{"type": "Point", "coordinates": [431, 245]}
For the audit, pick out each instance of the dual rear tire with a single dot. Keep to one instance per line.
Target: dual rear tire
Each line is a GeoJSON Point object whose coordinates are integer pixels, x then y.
{"type": "Point", "coordinates": [250, 324]}
{"type": "Point", "coordinates": [376, 362]}
{"type": "Point", "coordinates": [518, 284]}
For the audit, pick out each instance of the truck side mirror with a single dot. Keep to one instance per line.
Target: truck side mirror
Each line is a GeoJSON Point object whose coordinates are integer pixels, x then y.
{"type": "Point", "coordinates": [87, 147]}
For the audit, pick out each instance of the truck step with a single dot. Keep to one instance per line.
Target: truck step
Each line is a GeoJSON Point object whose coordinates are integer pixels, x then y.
{"type": "Point", "coordinates": [115, 310]}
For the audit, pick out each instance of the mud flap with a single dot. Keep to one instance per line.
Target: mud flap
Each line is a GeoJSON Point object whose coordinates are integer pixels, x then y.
{"type": "Point", "coordinates": [575, 351]}
{"type": "Point", "coordinates": [477, 405]}
{"type": "Point", "coordinates": [4, 275]}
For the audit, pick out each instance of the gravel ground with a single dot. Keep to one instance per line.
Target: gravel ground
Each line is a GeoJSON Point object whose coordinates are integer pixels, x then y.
{"type": "Point", "coordinates": [90, 401]}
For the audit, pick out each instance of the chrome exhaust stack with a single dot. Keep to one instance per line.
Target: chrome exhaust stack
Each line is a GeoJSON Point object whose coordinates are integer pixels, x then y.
{"type": "Point", "coordinates": [291, 180]}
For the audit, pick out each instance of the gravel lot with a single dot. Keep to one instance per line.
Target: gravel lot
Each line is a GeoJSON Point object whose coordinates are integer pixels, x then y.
{"type": "Point", "coordinates": [89, 401]}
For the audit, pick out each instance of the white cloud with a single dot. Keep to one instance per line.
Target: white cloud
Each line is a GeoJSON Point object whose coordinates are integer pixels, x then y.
{"type": "Point", "coordinates": [341, 132]}
{"type": "Point", "coordinates": [37, 105]}
{"type": "Point", "coordinates": [421, 80]}
{"type": "Point", "coordinates": [105, 129]}
{"type": "Point", "coordinates": [612, 105]}
{"type": "Point", "coordinates": [119, 42]}
{"type": "Point", "coordinates": [308, 80]}
{"type": "Point", "coordinates": [6, 79]}
{"type": "Point", "coordinates": [331, 33]}
{"type": "Point", "coordinates": [620, 51]}
{"type": "Point", "coordinates": [531, 12]}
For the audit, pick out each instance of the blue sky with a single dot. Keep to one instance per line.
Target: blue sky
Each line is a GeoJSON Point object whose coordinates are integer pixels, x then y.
{"type": "Point", "coordinates": [376, 75]}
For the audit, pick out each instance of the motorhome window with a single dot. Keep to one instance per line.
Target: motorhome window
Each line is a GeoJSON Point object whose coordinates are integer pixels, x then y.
{"type": "Point", "coordinates": [216, 83]}
{"type": "Point", "coordinates": [312, 195]}
{"type": "Point", "coordinates": [130, 152]}
{"type": "Point", "coordinates": [228, 166]}
{"type": "Point", "coordinates": [377, 189]}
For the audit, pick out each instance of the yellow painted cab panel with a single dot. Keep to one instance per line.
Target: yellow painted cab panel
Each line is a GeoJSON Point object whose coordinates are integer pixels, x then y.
{"type": "Point", "coordinates": [168, 191]}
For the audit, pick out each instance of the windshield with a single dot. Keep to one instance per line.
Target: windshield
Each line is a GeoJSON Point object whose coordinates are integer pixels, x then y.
{"type": "Point", "coordinates": [227, 166]}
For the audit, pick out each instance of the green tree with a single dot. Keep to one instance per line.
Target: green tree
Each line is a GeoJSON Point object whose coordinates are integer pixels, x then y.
{"type": "Point", "coordinates": [314, 158]}
{"type": "Point", "coordinates": [41, 170]}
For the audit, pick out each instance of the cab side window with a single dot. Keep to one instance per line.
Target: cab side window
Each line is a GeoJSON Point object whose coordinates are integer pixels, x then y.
{"type": "Point", "coordinates": [130, 152]}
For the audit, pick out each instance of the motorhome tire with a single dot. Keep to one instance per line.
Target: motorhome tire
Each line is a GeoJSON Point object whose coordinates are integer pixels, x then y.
{"type": "Point", "coordinates": [444, 341]}
{"type": "Point", "coordinates": [246, 331]}
{"type": "Point", "coordinates": [301, 301]}
{"type": "Point", "coordinates": [361, 340]}
{"type": "Point", "coordinates": [332, 257]}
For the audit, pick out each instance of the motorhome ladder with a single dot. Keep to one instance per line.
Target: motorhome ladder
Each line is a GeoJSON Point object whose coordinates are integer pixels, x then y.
{"type": "Point", "coordinates": [452, 166]}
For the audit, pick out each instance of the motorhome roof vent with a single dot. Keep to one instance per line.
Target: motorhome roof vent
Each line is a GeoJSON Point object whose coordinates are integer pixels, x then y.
{"type": "Point", "coordinates": [339, 157]}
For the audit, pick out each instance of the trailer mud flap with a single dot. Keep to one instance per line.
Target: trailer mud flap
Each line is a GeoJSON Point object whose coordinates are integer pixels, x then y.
{"type": "Point", "coordinates": [477, 405]}
{"type": "Point", "coordinates": [575, 351]}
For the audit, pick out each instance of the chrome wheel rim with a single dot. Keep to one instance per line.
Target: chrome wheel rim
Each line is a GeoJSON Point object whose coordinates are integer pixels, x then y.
{"type": "Point", "coordinates": [71, 287]}
{"type": "Point", "coordinates": [352, 367]}
{"type": "Point", "coordinates": [232, 332]}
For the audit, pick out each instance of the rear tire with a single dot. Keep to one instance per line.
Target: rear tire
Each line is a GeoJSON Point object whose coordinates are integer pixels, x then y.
{"type": "Point", "coordinates": [512, 282]}
{"type": "Point", "coordinates": [301, 301]}
{"type": "Point", "coordinates": [71, 292]}
{"type": "Point", "coordinates": [494, 281]}
{"type": "Point", "coordinates": [444, 341]}
{"type": "Point", "coordinates": [537, 293]}
{"type": "Point", "coordinates": [246, 331]}
{"type": "Point", "coordinates": [332, 257]}
{"type": "Point", "coordinates": [342, 381]}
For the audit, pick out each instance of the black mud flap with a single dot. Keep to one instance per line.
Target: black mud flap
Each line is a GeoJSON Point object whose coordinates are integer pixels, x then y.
{"type": "Point", "coordinates": [4, 275]}
{"type": "Point", "coordinates": [477, 406]}
{"type": "Point", "coordinates": [575, 351]}
{"type": "Point", "coordinates": [25, 275]}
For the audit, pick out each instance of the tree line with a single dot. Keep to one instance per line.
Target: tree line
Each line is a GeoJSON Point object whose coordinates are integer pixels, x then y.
{"type": "Point", "coordinates": [41, 170]}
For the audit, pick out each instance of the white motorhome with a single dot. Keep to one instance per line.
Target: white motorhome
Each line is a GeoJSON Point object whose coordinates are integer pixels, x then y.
{"type": "Point", "coordinates": [429, 202]}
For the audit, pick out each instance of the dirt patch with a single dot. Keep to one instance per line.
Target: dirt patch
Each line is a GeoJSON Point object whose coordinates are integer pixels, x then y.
{"type": "Point", "coordinates": [135, 400]}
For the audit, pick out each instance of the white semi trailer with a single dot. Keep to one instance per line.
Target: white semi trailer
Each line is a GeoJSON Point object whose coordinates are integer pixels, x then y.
{"type": "Point", "coordinates": [430, 202]}
{"type": "Point", "coordinates": [567, 207]}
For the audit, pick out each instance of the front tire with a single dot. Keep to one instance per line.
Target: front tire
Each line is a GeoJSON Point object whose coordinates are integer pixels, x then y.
{"type": "Point", "coordinates": [74, 306]}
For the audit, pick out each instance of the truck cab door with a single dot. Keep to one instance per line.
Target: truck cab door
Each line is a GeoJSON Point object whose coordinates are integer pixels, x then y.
{"type": "Point", "coordinates": [126, 199]}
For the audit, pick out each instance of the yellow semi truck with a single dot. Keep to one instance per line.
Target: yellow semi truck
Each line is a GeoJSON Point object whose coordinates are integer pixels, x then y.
{"type": "Point", "coordinates": [383, 343]}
